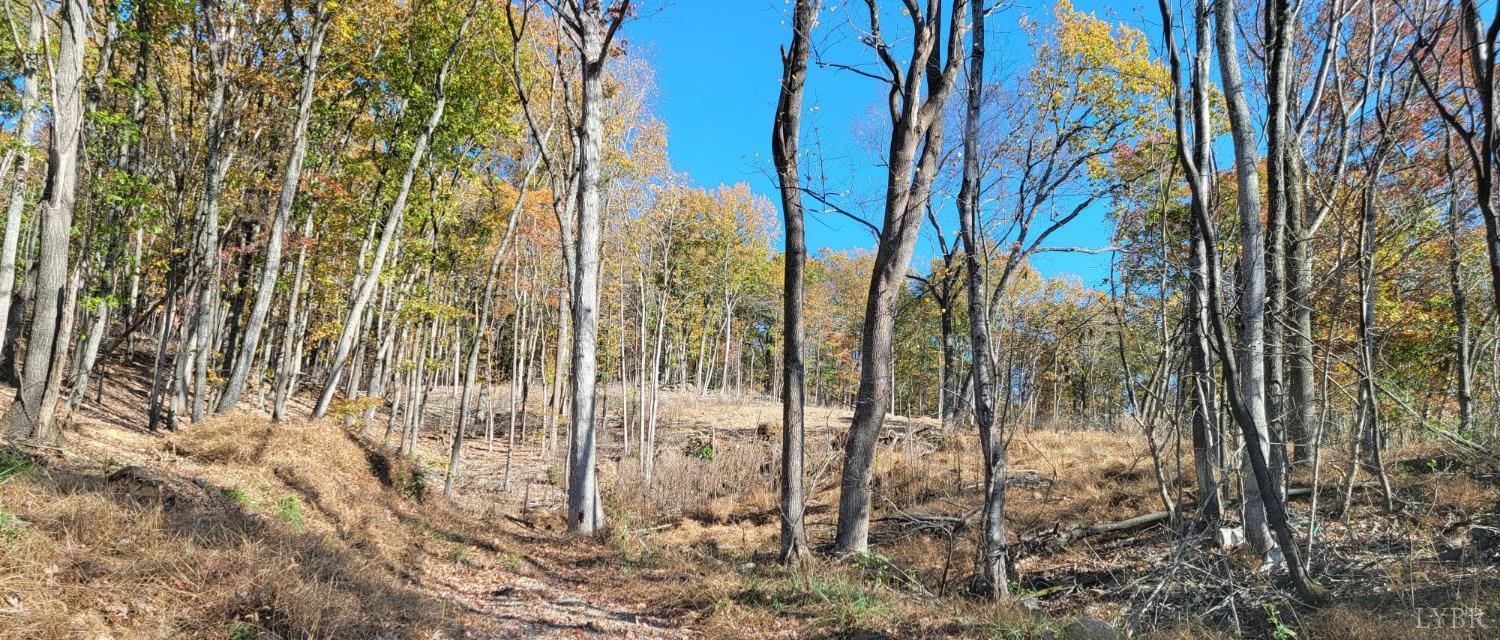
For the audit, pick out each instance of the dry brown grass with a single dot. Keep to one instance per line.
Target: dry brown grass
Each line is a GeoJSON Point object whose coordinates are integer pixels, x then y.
{"type": "Point", "coordinates": [708, 528]}
{"type": "Point", "coordinates": [297, 529]}
{"type": "Point", "coordinates": [198, 543]}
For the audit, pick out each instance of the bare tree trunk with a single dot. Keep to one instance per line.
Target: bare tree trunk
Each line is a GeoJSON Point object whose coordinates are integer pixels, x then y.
{"type": "Point", "coordinates": [1462, 351]}
{"type": "Point", "coordinates": [1195, 157]}
{"type": "Point", "coordinates": [205, 267]}
{"type": "Point", "coordinates": [1247, 397]}
{"type": "Point", "coordinates": [471, 369]}
{"type": "Point", "coordinates": [992, 442]}
{"type": "Point", "coordinates": [1368, 409]}
{"type": "Point", "coordinates": [1303, 413]}
{"type": "Point", "coordinates": [593, 28]}
{"type": "Point", "coordinates": [648, 452]}
{"type": "Point", "coordinates": [1252, 279]}
{"type": "Point", "coordinates": [32, 415]}
{"type": "Point", "coordinates": [915, 145]}
{"type": "Point", "coordinates": [785, 138]}
{"type": "Point", "coordinates": [291, 177]}
{"type": "Point", "coordinates": [1280, 29]}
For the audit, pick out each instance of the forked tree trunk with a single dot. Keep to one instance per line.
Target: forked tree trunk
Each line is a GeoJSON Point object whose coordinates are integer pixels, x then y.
{"type": "Point", "coordinates": [32, 415]}
{"type": "Point", "coordinates": [916, 143]}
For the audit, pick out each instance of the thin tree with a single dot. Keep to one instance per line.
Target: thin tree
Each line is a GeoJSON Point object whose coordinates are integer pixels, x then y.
{"type": "Point", "coordinates": [1195, 157]}
{"type": "Point", "coordinates": [471, 368]}
{"type": "Point", "coordinates": [785, 132]}
{"type": "Point", "coordinates": [354, 321]}
{"type": "Point", "coordinates": [291, 177]}
{"type": "Point", "coordinates": [1472, 117]}
{"type": "Point", "coordinates": [19, 159]}
{"type": "Point", "coordinates": [992, 444]}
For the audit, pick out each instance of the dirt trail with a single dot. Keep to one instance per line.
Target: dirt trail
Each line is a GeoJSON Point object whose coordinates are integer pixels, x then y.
{"type": "Point", "coordinates": [510, 578]}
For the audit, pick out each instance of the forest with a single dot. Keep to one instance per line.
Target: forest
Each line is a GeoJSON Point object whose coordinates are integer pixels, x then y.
{"type": "Point", "coordinates": [397, 319]}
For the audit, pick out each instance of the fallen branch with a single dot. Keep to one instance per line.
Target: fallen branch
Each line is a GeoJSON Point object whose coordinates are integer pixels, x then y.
{"type": "Point", "coordinates": [1056, 538]}
{"type": "Point", "coordinates": [927, 522]}
{"type": "Point", "coordinates": [1468, 446]}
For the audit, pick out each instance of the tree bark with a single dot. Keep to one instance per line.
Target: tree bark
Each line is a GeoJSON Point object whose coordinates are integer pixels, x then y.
{"type": "Point", "coordinates": [912, 160]}
{"type": "Point", "coordinates": [32, 415]}
{"type": "Point", "coordinates": [785, 132]}
{"type": "Point", "coordinates": [1252, 277]}
{"type": "Point", "coordinates": [291, 178]}
{"type": "Point", "coordinates": [992, 442]}
{"type": "Point", "coordinates": [593, 28]}
{"type": "Point", "coordinates": [26, 131]}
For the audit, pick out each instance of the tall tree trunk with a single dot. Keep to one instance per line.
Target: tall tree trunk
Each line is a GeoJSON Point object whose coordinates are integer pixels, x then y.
{"type": "Point", "coordinates": [205, 267]}
{"type": "Point", "coordinates": [471, 368]}
{"type": "Point", "coordinates": [785, 138]}
{"type": "Point", "coordinates": [1463, 383]}
{"type": "Point", "coordinates": [594, 30]}
{"type": "Point", "coordinates": [32, 415]}
{"type": "Point", "coordinates": [1302, 414]}
{"type": "Point", "coordinates": [26, 131]}
{"type": "Point", "coordinates": [291, 177]}
{"type": "Point", "coordinates": [1252, 279]}
{"type": "Point", "coordinates": [283, 375]}
{"type": "Point", "coordinates": [912, 160]}
{"type": "Point", "coordinates": [1280, 30]}
{"type": "Point", "coordinates": [992, 442]}
{"type": "Point", "coordinates": [1369, 410]}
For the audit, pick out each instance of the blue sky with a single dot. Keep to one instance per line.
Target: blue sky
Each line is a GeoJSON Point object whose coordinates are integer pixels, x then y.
{"type": "Point", "coordinates": [718, 70]}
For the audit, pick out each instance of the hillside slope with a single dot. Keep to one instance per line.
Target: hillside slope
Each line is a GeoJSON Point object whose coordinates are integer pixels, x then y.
{"type": "Point", "coordinates": [239, 527]}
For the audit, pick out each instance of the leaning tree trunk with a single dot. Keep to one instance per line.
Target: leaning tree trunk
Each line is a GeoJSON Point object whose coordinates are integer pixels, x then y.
{"type": "Point", "coordinates": [393, 217]}
{"type": "Point", "coordinates": [32, 415]}
{"type": "Point", "coordinates": [1195, 159]}
{"type": "Point", "coordinates": [292, 176]}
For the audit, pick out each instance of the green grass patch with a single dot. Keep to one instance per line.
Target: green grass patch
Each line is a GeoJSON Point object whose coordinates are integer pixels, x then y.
{"type": "Point", "coordinates": [238, 496]}
{"type": "Point", "coordinates": [14, 464]}
{"type": "Point", "coordinates": [289, 510]}
{"type": "Point", "coordinates": [11, 525]}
